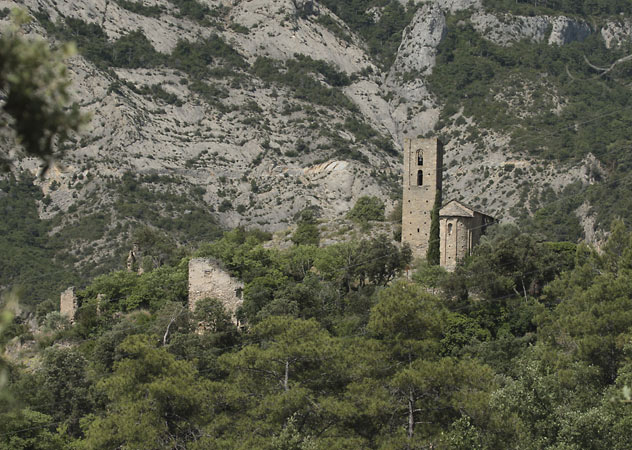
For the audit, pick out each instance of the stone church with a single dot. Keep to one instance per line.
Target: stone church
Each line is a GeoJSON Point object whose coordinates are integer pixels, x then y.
{"type": "Point", "coordinates": [460, 226]}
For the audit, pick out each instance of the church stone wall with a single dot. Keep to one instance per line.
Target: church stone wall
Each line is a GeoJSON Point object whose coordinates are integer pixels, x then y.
{"type": "Point", "coordinates": [208, 280]}
{"type": "Point", "coordinates": [456, 240]}
{"type": "Point", "coordinates": [458, 236]}
{"type": "Point", "coordinates": [423, 160]}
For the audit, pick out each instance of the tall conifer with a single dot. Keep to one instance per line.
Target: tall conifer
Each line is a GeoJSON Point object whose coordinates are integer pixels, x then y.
{"type": "Point", "coordinates": [433, 245]}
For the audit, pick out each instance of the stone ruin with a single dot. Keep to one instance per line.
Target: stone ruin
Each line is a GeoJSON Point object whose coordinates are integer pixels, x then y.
{"type": "Point", "coordinates": [68, 303]}
{"type": "Point", "coordinates": [207, 279]}
{"type": "Point", "coordinates": [134, 260]}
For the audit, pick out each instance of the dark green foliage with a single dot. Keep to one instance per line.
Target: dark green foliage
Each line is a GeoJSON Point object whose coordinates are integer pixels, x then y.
{"type": "Point", "coordinates": [580, 7]}
{"type": "Point", "coordinates": [239, 28]}
{"type": "Point", "coordinates": [361, 360]}
{"type": "Point", "coordinates": [306, 233]}
{"type": "Point", "coordinates": [382, 260]}
{"type": "Point", "coordinates": [127, 291]}
{"type": "Point", "coordinates": [194, 58]}
{"type": "Point", "coordinates": [471, 71]}
{"type": "Point", "coordinates": [508, 260]}
{"type": "Point", "coordinates": [30, 244]}
{"type": "Point", "coordinates": [158, 93]}
{"type": "Point", "coordinates": [193, 9]}
{"type": "Point", "coordinates": [333, 26]}
{"type": "Point", "coordinates": [90, 39]}
{"type": "Point", "coordinates": [367, 208]}
{"type": "Point", "coordinates": [65, 379]}
{"type": "Point", "coordinates": [134, 51]}
{"type": "Point", "coordinates": [382, 37]}
{"type": "Point", "coordinates": [332, 76]}
{"type": "Point", "coordinates": [139, 8]}
{"type": "Point", "coordinates": [38, 114]}
{"type": "Point", "coordinates": [204, 58]}
{"type": "Point", "coordinates": [25, 243]}
{"type": "Point", "coordinates": [225, 205]}
{"type": "Point", "coordinates": [360, 129]}
{"type": "Point", "coordinates": [232, 249]}
{"type": "Point", "coordinates": [210, 92]}
{"type": "Point", "coordinates": [611, 200]}
{"type": "Point", "coordinates": [283, 281]}
{"type": "Point", "coordinates": [433, 254]}
{"type": "Point", "coordinates": [38, 431]}
{"type": "Point", "coordinates": [296, 75]}
{"type": "Point", "coordinates": [476, 74]}
{"type": "Point", "coordinates": [135, 200]}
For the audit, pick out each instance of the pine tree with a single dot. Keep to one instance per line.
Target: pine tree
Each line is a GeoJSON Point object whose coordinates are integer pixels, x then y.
{"type": "Point", "coordinates": [433, 245]}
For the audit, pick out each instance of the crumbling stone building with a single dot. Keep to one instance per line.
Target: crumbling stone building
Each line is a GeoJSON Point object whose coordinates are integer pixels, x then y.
{"type": "Point", "coordinates": [207, 279]}
{"type": "Point", "coordinates": [68, 303]}
{"type": "Point", "coordinates": [460, 226]}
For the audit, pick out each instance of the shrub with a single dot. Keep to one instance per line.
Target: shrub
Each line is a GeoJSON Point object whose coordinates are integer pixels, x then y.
{"type": "Point", "coordinates": [306, 234]}
{"type": "Point", "coordinates": [367, 208]}
{"type": "Point", "coordinates": [139, 8]}
{"type": "Point", "coordinates": [226, 205]}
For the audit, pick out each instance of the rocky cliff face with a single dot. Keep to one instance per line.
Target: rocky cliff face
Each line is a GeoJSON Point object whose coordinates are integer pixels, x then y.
{"type": "Point", "coordinates": [263, 150]}
{"type": "Point", "coordinates": [506, 29]}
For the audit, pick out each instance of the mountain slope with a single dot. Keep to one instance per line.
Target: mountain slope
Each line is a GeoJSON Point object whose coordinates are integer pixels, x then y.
{"type": "Point", "coordinates": [229, 113]}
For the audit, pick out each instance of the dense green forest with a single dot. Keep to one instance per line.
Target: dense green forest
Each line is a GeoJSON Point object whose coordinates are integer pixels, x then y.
{"type": "Point", "coordinates": [526, 345]}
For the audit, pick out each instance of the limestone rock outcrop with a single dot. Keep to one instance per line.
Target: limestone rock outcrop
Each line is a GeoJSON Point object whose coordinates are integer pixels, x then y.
{"type": "Point", "coordinates": [418, 50]}
{"type": "Point", "coordinates": [565, 30]}
{"type": "Point", "coordinates": [615, 34]}
{"type": "Point", "coordinates": [506, 29]}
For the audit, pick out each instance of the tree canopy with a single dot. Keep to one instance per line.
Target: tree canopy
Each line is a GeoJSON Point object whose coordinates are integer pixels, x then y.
{"type": "Point", "coordinates": [35, 110]}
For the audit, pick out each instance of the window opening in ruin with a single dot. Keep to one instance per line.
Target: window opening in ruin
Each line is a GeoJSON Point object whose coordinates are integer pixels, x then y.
{"type": "Point", "coordinates": [420, 159]}
{"type": "Point", "coordinates": [420, 178]}
{"type": "Point", "coordinates": [417, 230]}
{"type": "Point", "coordinates": [449, 228]}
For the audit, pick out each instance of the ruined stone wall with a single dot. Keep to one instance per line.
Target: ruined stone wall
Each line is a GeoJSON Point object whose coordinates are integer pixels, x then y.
{"type": "Point", "coordinates": [419, 191]}
{"type": "Point", "coordinates": [207, 279]}
{"type": "Point", "coordinates": [68, 303]}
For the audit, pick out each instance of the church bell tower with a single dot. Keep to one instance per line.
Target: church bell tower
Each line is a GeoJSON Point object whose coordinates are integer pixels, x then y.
{"type": "Point", "coordinates": [423, 164]}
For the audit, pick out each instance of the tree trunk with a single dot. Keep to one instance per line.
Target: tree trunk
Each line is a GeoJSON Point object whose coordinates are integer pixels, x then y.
{"type": "Point", "coordinates": [164, 338]}
{"type": "Point", "coordinates": [287, 376]}
{"type": "Point", "coordinates": [411, 414]}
